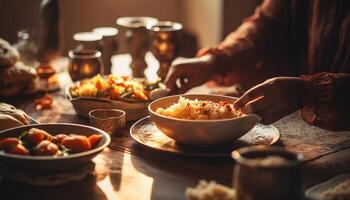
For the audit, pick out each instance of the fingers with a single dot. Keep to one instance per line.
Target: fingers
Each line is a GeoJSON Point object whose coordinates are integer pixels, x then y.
{"type": "Point", "coordinates": [184, 86]}
{"type": "Point", "coordinates": [7, 121]}
{"type": "Point", "coordinates": [256, 105]}
{"type": "Point", "coordinates": [173, 75]}
{"type": "Point", "coordinates": [178, 80]}
{"type": "Point", "coordinates": [252, 94]}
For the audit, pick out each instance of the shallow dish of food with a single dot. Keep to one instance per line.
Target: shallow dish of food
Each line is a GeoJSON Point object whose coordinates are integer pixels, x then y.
{"type": "Point", "coordinates": [47, 148]}
{"type": "Point", "coordinates": [115, 92]}
{"type": "Point", "coordinates": [200, 120]}
{"type": "Point", "coordinates": [333, 189]}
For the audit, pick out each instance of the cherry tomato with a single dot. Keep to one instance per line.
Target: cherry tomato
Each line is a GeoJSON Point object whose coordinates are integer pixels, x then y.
{"type": "Point", "coordinates": [13, 146]}
{"type": "Point", "coordinates": [35, 136]}
{"type": "Point", "coordinates": [46, 148]}
{"type": "Point", "coordinates": [44, 102]}
{"type": "Point", "coordinates": [76, 143]}
{"type": "Point", "coordinates": [57, 139]}
{"type": "Point", "coordinates": [8, 144]}
{"type": "Point", "coordinates": [19, 150]}
{"type": "Point", "coordinates": [94, 140]}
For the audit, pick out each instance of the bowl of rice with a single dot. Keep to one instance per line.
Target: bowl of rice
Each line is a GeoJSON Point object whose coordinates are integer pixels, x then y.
{"type": "Point", "coordinates": [200, 120]}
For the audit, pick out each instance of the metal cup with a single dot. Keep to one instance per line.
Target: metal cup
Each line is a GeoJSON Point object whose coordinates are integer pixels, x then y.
{"type": "Point", "coordinates": [254, 181]}
{"type": "Point", "coordinates": [84, 63]}
{"type": "Point", "coordinates": [137, 38]}
{"type": "Point", "coordinates": [109, 120]}
{"type": "Point", "coordinates": [166, 44]}
{"type": "Point", "coordinates": [109, 45]}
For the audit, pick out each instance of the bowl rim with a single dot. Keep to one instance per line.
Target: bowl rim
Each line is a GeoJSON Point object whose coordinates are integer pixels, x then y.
{"type": "Point", "coordinates": [71, 98]}
{"type": "Point", "coordinates": [199, 121]}
{"type": "Point", "coordinates": [71, 156]}
{"type": "Point", "coordinates": [121, 112]}
{"type": "Point", "coordinates": [238, 156]}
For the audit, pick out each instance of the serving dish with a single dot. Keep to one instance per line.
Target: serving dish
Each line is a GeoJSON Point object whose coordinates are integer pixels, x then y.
{"type": "Point", "coordinates": [134, 108]}
{"type": "Point", "coordinates": [51, 164]}
{"type": "Point", "coordinates": [201, 132]}
{"type": "Point", "coordinates": [317, 192]}
{"type": "Point", "coordinates": [147, 134]}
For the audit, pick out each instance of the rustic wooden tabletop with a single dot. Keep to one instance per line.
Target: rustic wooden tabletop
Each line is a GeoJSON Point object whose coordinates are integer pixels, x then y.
{"type": "Point", "coordinates": [126, 170]}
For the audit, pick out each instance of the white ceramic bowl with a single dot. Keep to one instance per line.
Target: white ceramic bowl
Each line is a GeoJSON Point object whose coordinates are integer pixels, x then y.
{"type": "Point", "coordinates": [201, 132]}
{"type": "Point", "coordinates": [50, 164]}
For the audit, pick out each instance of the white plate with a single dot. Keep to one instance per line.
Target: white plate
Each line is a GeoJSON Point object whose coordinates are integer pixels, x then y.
{"type": "Point", "coordinates": [146, 133]}
{"type": "Point", "coordinates": [316, 192]}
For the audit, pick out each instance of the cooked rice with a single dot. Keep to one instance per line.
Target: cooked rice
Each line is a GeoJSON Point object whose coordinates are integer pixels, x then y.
{"type": "Point", "coordinates": [210, 191]}
{"type": "Point", "coordinates": [199, 110]}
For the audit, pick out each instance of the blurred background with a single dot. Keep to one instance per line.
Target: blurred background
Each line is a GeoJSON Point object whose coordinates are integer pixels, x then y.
{"type": "Point", "coordinates": [206, 22]}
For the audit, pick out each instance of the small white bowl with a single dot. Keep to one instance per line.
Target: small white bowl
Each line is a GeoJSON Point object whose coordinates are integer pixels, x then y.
{"type": "Point", "coordinates": [201, 132]}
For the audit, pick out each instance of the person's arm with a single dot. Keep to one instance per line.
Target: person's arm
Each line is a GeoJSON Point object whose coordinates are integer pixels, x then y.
{"type": "Point", "coordinates": [259, 35]}
{"type": "Point", "coordinates": [326, 100]}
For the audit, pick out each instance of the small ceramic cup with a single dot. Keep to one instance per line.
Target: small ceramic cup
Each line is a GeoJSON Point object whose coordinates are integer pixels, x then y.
{"type": "Point", "coordinates": [259, 176]}
{"type": "Point", "coordinates": [109, 120]}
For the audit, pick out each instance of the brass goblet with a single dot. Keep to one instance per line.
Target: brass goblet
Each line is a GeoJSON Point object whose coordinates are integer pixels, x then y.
{"type": "Point", "coordinates": [137, 40]}
{"type": "Point", "coordinates": [84, 63]}
{"type": "Point", "coordinates": [166, 44]}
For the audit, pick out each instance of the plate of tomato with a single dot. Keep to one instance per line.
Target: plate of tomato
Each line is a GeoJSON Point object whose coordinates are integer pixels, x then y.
{"type": "Point", "coordinates": [48, 148]}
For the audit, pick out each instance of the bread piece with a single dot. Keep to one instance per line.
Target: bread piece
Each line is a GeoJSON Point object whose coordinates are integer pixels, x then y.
{"type": "Point", "coordinates": [7, 121]}
{"type": "Point", "coordinates": [19, 115]}
{"type": "Point", "coordinates": [17, 74]}
{"type": "Point", "coordinates": [8, 54]}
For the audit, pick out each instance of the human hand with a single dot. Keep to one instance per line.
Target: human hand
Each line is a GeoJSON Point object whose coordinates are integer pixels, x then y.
{"type": "Point", "coordinates": [272, 99]}
{"type": "Point", "coordinates": [190, 73]}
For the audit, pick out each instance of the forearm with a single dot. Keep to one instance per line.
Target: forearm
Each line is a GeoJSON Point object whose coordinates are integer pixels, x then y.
{"type": "Point", "coordinates": [258, 36]}
{"type": "Point", "coordinates": [326, 100]}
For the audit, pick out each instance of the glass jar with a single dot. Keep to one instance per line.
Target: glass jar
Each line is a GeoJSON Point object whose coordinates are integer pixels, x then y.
{"type": "Point", "coordinates": [84, 63]}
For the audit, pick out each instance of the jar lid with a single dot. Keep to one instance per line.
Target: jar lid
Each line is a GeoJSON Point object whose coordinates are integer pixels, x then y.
{"type": "Point", "coordinates": [87, 37]}
{"type": "Point", "coordinates": [165, 26]}
{"type": "Point", "coordinates": [106, 31]}
{"type": "Point", "coordinates": [136, 22]}
{"type": "Point", "coordinates": [84, 53]}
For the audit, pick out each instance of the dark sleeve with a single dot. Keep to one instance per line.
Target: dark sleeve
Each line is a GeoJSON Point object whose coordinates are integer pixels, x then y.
{"type": "Point", "coordinates": [256, 37]}
{"type": "Point", "coordinates": [326, 100]}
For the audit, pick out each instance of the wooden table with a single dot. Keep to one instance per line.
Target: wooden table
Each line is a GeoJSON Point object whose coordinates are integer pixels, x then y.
{"type": "Point", "coordinates": [142, 173]}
